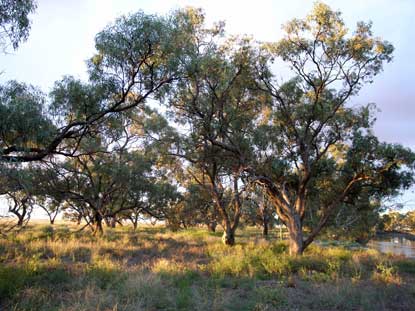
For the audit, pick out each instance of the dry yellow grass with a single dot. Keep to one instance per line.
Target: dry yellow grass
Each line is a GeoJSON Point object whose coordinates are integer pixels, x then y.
{"type": "Point", "coordinates": [55, 268]}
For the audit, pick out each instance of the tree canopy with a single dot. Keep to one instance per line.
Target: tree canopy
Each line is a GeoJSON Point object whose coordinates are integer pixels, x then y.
{"type": "Point", "coordinates": [14, 22]}
{"type": "Point", "coordinates": [181, 123]}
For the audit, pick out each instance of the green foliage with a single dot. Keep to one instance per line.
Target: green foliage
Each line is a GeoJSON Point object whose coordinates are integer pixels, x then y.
{"type": "Point", "coordinates": [47, 232]}
{"type": "Point", "coordinates": [324, 155]}
{"type": "Point", "coordinates": [72, 99]}
{"type": "Point", "coordinates": [24, 121]}
{"type": "Point", "coordinates": [11, 281]}
{"type": "Point", "coordinates": [395, 221]}
{"type": "Point", "coordinates": [270, 296]}
{"type": "Point", "coordinates": [406, 266]}
{"type": "Point", "coordinates": [14, 21]}
{"type": "Point", "coordinates": [230, 129]}
{"type": "Point", "coordinates": [105, 275]}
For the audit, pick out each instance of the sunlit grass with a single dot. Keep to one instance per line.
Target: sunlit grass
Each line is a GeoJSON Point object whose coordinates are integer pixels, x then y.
{"type": "Point", "coordinates": [57, 268]}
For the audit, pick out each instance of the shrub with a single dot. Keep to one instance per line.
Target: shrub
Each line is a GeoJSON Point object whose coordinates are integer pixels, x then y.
{"type": "Point", "coordinates": [11, 281]}
{"type": "Point", "coordinates": [386, 273]}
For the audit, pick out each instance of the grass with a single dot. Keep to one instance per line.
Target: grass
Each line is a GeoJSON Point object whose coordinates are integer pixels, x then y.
{"type": "Point", "coordinates": [53, 268]}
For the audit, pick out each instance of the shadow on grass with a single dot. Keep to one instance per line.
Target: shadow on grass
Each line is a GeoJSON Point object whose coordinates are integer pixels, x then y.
{"type": "Point", "coordinates": [192, 270]}
{"type": "Point", "coordinates": [103, 288]}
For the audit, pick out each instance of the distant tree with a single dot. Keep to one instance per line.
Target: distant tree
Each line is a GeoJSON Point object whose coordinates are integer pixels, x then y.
{"type": "Point", "coordinates": [98, 186]}
{"type": "Point", "coordinates": [258, 211]}
{"type": "Point", "coordinates": [21, 206]}
{"type": "Point", "coordinates": [17, 187]}
{"type": "Point", "coordinates": [409, 221]}
{"type": "Point", "coordinates": [50, 204]}
{"type": "Point", "coordinates": [356, 220]}
{"type": "Point", "coordinates": [393, 221]}
{"type": "Point", "coordinates": [199, 207]}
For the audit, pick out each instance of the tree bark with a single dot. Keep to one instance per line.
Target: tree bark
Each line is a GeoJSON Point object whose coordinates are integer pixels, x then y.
{"type": "Point", "coordinates": [135, 224]}
{"type": "Point", "coordinates": [21, 216]}
{"type": "Point", "coordinates": [295, 234]}
{"type": "Point", "coordinates": [20, 220]}
{"type": "Point", "coordinates": [228, 237]}
{"type": "Point", "coordinates": [98, 225]}
{"type": "Point", "coordinates": [265, 226]}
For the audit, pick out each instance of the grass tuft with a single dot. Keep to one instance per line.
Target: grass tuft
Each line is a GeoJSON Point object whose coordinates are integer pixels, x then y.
{"type": "Point", "coordinates": [53, 268]}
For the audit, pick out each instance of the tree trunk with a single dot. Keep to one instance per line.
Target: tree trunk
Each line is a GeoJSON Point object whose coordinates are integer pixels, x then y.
{"type": "Point", "coordinates": [98, 228]}
{"type": "Point", "coordinates": [134, 221]}
{"type": "Point", "coordinates": [212, 226]}
{"type": "Point", "coordinates": [292, 221]}
{"type": "Point", "coordinates": [229, 225]}
{"type": "Point", "coordinates": [295, 234]}
{"type": "Point", "coordinates": [228, 237]}
{"type": "Point", "coordinates": [20, 216]}
{"type": "Point", "coordinates": [107, 222]}
{"type": "Point", "coordinates": [52, 218]}
{"type": "Point", "coordinates": [113, 222]}
{"type": "Point", "coordinates": [20, 220]}
{"type": "Point", "coordinates": [265, 226]}
{"type": "Point", "coordinates": [98, 224]}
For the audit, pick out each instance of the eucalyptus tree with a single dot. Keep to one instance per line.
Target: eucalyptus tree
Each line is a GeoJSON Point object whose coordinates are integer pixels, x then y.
{"type": "Point", "coordinates": [51, 204]}
{"type": "Point", "coordinates": [95, 185]}
{"type": "Point", "coordinates": [24, 120]}
{"type": "Point", "coordinates": [258, 211]}
{"type": "Point", "coordinates": [313, 147]}
{"type": "Point", "coordinates": [114, 175]}
{"type": "Point", "coordinates": [14, 22]}
{"type": "Point", "coordinates": [409, 221]}
{"type": "Point", "coordinates": [199, 207]}
{"type": "Point", "coordinates": [301, 140]}
{"type": "Point", "coordinates": [153, 202]}
{"type": "Point", "coordinates": [20, 206]}
{"type": "Point", "coordinates": [393, 221]}
{"type": "Point", "coordinates": [354, 219]}
{"type": "Point", "coordinates": [214, 104]}
{"type": "Point", "coordinates": [18, 186]}
{"type": "Point", "coordinates": [136, 58]}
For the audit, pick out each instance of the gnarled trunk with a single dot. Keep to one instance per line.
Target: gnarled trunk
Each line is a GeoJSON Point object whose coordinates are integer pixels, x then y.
{"type": "Point", "coordinates": [20, 210]}
{"type": "Point", "coordinates": [20, 219]}
{"type": "Point", "coordinates": [290, 216]}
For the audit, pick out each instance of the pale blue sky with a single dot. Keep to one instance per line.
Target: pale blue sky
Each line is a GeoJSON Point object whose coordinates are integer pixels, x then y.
{"type": "Point", "coordinates": [62, 38]}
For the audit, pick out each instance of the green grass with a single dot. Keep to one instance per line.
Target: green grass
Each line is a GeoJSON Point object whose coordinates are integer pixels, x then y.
{"type": "Point", "coordinates": [54, 268]}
